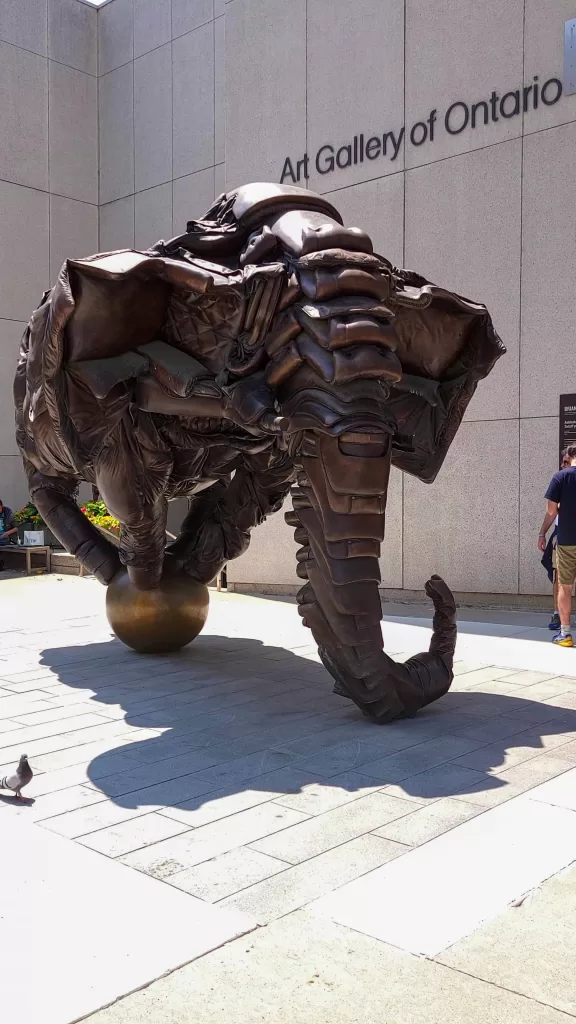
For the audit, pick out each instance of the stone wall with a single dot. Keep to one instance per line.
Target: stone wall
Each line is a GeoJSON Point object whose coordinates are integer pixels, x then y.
{"type": "Point", "coordinates": [48, 174]}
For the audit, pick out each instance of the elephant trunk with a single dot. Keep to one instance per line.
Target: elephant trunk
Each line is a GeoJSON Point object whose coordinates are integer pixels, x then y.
{"type": "Point", "coordinates": [339, 505]}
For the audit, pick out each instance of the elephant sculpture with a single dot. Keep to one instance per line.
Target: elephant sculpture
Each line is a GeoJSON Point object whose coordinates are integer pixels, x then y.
{"type": "Point", "coordinates": [265, 350]}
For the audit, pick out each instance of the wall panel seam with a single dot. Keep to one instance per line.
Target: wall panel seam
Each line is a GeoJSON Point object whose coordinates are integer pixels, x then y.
{"type": "Point", "coordinates": [171, 126]}
{"type": "Point", "coordinates": [454, 156]}
{"type": "Point", "coordinates": [44, 56]}
{"type": "Point", "coordinates": [98, 119]}
{"type": "Point", "coordinates": [519, 478]}
{"type": "Point", "coordinates": [48, 143]}
{"type": "Point", "coordinates": [133, 133]}
{"type": "Point", "coordinates": [402, 489]}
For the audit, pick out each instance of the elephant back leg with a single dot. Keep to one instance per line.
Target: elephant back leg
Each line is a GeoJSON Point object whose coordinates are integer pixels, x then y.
{"type": "Point", "coordinates": [218, 525]}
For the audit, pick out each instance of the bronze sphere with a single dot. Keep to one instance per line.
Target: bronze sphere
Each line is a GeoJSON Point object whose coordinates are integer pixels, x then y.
{"type": "Point", "coordinates": [161, 620]}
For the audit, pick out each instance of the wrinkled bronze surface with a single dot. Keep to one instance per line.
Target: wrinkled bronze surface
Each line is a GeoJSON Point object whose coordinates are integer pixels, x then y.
{"type": "Point", "coordinates": [160, 620]}
{"type": "Point", "coordinates": [265, 349]}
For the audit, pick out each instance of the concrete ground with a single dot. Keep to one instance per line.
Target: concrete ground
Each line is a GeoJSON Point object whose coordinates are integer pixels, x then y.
{"type": "Point", "coordinates": [219, 831]}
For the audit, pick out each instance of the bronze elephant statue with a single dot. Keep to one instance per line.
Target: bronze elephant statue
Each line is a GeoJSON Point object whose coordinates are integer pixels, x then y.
{"type": "Point", "coordinates": [265, 350]}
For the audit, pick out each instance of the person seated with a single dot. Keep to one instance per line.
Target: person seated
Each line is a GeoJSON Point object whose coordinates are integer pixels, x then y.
{"type": "Point", "coordinates": [8, 528]}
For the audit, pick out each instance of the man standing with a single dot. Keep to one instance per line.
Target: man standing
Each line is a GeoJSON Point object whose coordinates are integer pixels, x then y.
{"type": "Point", "coordinates": [561, 499]}
{"type": "Point", "coordinates": [549, 559]}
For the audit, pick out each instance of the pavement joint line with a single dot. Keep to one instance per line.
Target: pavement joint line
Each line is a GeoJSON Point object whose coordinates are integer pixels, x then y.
{"type": "Point", "coordinates": [485, 981]}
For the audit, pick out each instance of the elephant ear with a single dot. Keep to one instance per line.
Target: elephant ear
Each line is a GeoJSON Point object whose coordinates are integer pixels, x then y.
{"type": "Point", "coordinates": [446, 345]}
{"type": "Point", "coordinates": [120, 302]}
{"type": "Point", "coordinates": [123, 300]}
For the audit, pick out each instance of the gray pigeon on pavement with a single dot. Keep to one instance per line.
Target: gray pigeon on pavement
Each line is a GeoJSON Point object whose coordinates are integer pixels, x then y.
{"type": "Point", "coordinates": [21, 777]}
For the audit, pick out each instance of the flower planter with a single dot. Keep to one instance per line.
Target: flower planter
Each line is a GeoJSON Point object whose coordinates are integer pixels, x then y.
{"type": "Point", "coordinates": [97, 514]}
{"type": "Point", "coordinates": [112, 535]}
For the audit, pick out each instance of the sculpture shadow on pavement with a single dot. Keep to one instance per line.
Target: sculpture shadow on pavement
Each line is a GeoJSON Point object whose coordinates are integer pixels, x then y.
{"type": "Point", "coordinates": [236, 716]}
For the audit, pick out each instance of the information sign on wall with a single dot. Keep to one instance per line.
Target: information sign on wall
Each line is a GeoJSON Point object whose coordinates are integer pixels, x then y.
{"type": "Point", "coordinates": [570, 57]}
{"type": "Point", "coordinates": [567, 421]}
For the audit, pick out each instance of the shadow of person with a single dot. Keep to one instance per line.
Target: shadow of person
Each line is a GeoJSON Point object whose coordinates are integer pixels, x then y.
{"type": "Point", "coordinates": [230, 716]}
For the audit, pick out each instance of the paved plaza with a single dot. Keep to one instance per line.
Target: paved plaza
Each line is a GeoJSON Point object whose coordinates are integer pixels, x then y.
{"type": "Point", "coordinates": [222, 809]}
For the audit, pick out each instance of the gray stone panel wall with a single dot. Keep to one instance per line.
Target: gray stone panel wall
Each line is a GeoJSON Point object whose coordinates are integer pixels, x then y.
{"type": "Point", "coordinates": [48, 174]}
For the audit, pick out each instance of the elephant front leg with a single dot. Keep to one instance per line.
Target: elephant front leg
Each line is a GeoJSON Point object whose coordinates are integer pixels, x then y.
{"type": "Point", "coordinates": [55, 499]}
{"type": "Point", "coordinates": [340, 536]}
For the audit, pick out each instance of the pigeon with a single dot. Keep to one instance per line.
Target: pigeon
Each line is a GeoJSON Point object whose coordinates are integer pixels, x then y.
{"type": "Point", "coordinates": [21, 777]}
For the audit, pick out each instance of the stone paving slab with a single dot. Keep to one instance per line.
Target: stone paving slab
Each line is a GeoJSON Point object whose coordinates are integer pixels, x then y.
{"type": "Point", "coordinates": [135, 834]}
{"type": "Point", "coordinates": [425, 823]}
{"type": "Point", "coordinates": [560, 792]}
{"type": "Point", "coordinates": [78, 931]}
{"type": "Point", "coordinates": [443, 890]}
{"type": "Point", "coordinates": [227, 874]}
{"type": "Point", "coordinates": [530, 949]}
{"type": "Point", "coordinates": [333, 828]}
{"type": "Point", "coordinates": [221, 803]}
{"type": "Point", "coordinates": [208, 841]}
{"type": "Point", "coordinates": [312, 878]}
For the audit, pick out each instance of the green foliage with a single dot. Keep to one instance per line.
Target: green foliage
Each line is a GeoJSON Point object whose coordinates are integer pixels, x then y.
{"type": "Point", "coordinates": [95, 511]}
{"type": "Point", "coordinates": [29, 516]}
{"type": "Point", "coordinates": [99, 515]}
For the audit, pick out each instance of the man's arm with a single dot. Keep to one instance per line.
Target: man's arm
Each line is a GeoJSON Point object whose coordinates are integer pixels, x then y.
{"type": "Point", "coordinates": [551, 513]}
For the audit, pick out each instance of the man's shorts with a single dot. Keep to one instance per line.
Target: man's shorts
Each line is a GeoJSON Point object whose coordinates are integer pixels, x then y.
{"type": "Point", "coordinates": [566, 564]}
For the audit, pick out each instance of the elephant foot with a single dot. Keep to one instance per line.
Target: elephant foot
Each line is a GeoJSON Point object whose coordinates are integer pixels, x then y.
{"type": "Point", "coordinates": [340, 690]}
{"type": "Point", "coordinates": [385, 708]}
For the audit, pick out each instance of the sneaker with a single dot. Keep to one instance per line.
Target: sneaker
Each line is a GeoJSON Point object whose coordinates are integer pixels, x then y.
{"type": "Point", "coordinates": [554, 622]}
{"type": "Point", "coordinates": [563, 641]}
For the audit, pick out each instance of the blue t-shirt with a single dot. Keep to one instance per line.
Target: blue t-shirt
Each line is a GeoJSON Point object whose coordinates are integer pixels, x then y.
{"type": "Point", "coordinates": [7, 521]}
{"type": "Point", "coordinates": [562, 490]}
